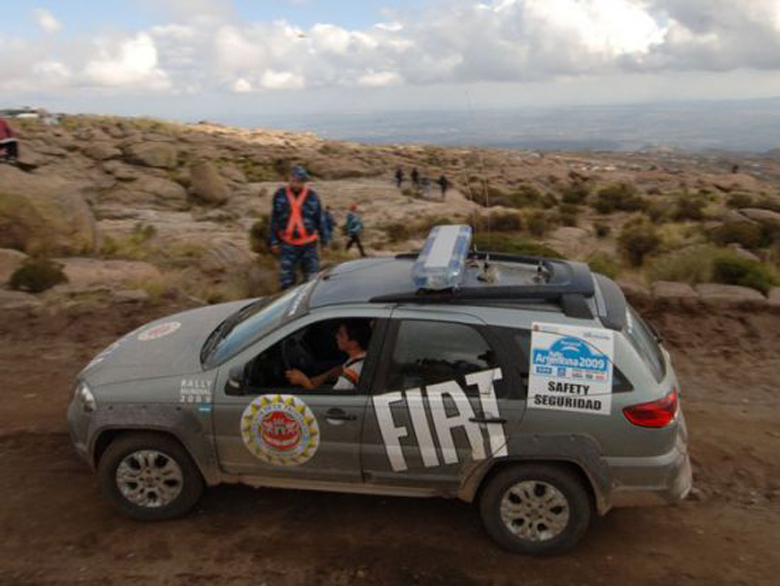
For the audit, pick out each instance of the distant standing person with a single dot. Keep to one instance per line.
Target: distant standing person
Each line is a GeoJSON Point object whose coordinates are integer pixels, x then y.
{"type": "Point", "coordinates": [399, 177]}
{"type": "Point", "coordinates": [444, 184]}
{"type": "Point", "coordinates": [330, 224]}
{"type": "Point", "coordinates": [297, 224]}
{"type": "Point", "coordinates": [415, 175]}
{"type": "Point", "coordinates": [354, 229]}
{"type": "Point", "coordinates": [8, 141]}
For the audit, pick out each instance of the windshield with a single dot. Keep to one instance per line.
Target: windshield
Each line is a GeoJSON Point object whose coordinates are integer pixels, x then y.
{"type": "Point", "coordinates": [643, 340]}
{"type": "Point", "coordinates": [248, 324]}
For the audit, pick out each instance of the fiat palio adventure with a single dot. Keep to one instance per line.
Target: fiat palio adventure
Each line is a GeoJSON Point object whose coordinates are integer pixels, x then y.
{"type": "Point", "coordinates": [525, 385]}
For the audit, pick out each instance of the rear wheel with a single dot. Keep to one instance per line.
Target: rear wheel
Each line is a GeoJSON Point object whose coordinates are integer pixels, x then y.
{"type": "Point", "coordinates": [150, 477]}
{"type": "Point", "coordinates": [536, 509]}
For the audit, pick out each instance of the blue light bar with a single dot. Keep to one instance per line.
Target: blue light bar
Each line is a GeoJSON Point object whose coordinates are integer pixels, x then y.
{"type": "Point", "coordinates": [441, 263]}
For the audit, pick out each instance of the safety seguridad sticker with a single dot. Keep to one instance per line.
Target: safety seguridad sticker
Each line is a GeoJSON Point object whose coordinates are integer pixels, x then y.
{"type": "Point", "coordinates": [159, 331]}
{"type": "Point", "coordinates": [571, 369]}
{"type": "Point", "coordinates": [280, 430]}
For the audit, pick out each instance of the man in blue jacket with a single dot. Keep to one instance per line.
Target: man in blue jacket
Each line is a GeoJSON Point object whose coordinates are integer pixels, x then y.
{"type": "Point", "coordinates": [297, 224]}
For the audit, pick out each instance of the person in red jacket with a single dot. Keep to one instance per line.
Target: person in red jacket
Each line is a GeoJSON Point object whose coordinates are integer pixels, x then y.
{"type": "Point", "coordinates": [8, 141]}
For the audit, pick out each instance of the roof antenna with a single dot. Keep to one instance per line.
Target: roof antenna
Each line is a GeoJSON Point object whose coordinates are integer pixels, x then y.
{"type": "Point", "coordinates": [542, 273]}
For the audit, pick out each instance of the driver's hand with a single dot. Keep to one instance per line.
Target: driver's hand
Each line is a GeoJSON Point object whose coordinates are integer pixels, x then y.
{"type": "Point", "coordinates": [296, 377]}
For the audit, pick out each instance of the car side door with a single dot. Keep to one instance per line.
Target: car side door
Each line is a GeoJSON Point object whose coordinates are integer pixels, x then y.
{"type": "Point", "coordinates": [278, 431]}
{"type": "Point", "coordinates": [445, 397]}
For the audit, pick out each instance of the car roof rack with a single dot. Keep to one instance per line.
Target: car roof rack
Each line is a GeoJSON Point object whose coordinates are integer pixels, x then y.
{"type": "Point", "coordinates": [568, 284]}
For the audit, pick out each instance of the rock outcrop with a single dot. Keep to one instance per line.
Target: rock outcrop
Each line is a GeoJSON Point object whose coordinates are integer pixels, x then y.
{"type": "Point", "coordinates": [153, 154]}
{"type": "Point", "coordinates": [207, 184]}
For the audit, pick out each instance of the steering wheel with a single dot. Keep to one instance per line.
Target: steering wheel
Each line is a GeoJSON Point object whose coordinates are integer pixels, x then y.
{"type": "Point", "coordinates": [296, 354]}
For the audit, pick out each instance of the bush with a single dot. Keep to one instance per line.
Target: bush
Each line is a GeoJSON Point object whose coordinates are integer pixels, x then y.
{"type": "Point", "coordinates": [259, 235]}
{"type": "Point", "coordinates": [397, 232]}
{"type": "Point", "coordinates": [731, 269]}
{"type": "Point", "coordinates": [511, 245]}
{"type": "Point", "coordinates": [537, 223]}
{"type": "Point", "coordinates": [604, 263]}
{"type": "Point", "coordinates": [498, 221]}
{"type": "Point", "coordinates": [746, 234]}
{"type": "Point", "coordinates": [657, 212]}
{"type": "Point", "coordinates": [689, 207]}
{"type": "Point", "coordinates": [575, 194]}
{"type": "Point", "coordinates": [739, 200]}
{"type": "Point", "coordinates": [567, 214]}
{"type": "Point", "coordinates": [36, 275]}
{"type": "Point", "coordinates": [619, 197]}
{"type": "Point", "coordinates": [637, 240]}
{"type": "Point", "coordinates": [602, 230]}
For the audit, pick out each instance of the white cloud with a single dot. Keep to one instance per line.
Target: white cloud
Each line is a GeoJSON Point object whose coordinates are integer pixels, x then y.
{"type": "Point", "coordinates": [380, 79]}
{"type": "Point", "coordinates": [46, 20]}
{"type": "Point", "coordinates": [130, 62]}
{"type": "Point", "coordinates": [242, 85]}
{"type": "Point", "coordinates": [282, 80]}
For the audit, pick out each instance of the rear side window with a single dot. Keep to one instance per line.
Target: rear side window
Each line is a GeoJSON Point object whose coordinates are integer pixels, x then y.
{"type": "Point", "coordinates": [644, 342]}
{"type": "Point", "coordinates": [429, 352]}
{"type": "Point", "coordinates": [520, 341]}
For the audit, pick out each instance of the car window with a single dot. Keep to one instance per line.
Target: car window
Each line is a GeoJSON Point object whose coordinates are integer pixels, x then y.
{"type": "Point", "coordinates": [643, 340]}
{"type": "Point", "coordinates": [261, 320]}
{"type": "Point", "coordinates": [428, 352]}
{"type": "Point", "coordinates": [521, 343]}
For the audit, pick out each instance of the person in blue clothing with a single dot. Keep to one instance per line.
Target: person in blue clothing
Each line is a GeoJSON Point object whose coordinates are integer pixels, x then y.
{"type": "Point", "coordinates": [354, 228]}
{"type": "Point", "coordinates": [330, 224]}
{"type": "Point", "coordinates": [297, 225]}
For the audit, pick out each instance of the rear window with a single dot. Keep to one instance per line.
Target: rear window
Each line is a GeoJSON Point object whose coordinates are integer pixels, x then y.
{"type": "Point", "coordinates": [643, 340]}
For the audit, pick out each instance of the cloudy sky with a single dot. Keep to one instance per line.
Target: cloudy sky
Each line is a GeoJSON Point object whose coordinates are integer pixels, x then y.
{"type": "Point", "coordinates": [204, 58]}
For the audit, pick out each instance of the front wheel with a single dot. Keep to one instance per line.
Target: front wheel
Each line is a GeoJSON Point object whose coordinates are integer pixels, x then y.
{"type": "Point", "coordinates": [150, 477]}
{"type": "Point", "coordinates": [537, 509]}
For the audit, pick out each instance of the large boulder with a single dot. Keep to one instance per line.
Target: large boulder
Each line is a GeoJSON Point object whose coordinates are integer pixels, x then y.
{"type": "Point", "coordinates": [207, 184]}
{"type": "Point", "coordinates": [715, 292]}
{"type": "Point", "coordinates": [671, 290]}
{"type": "Point", "coordinates": [766, 218]}
{"type": "Point", "coordinates": [44, 214]}
{"type": "Point", "coordinates": [102, 151]}
{"type": "Point", "coordinates": [153, 154]}
{"type": "Point", "coordinates": [148, 191]}
{"type": "Point", "coordinates": [224, 256]}
{"type": "Point", "coordinates": [90, 273]}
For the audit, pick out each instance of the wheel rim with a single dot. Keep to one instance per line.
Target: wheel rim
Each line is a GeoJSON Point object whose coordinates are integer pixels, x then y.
{"type": "Point", "coordinates": [534, 510]}
{"type": "Point", "coordinates": [149, 478]}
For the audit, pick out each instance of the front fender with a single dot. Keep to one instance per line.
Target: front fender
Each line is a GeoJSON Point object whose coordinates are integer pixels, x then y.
{"type": "Point", "coordinates": [187, 424]}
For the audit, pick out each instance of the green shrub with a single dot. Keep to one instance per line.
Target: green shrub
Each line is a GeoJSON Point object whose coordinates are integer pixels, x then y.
{"type": "Point", "coordinates": [397, 231]}
{"type": "Point", "coordinates": [498, 221]}
{"type": "Point", "coordinates": [637, 240]}
{"type": "Point", "coordinates": [537, 223]}
{"type": "Point", "coordinates": [602, 230]}
{"type": "Point", "coordinates": [604, 263]}
{"type": "Point", "coordinates": [689, 207]}
{"type": "Point", "coordinates": [512, 245]}
{"type": "Point", "coordinates": [731, 269]}
{"type": "Point", "coordinates": [619, 197]}
{"type": "Point", "coordinates": [36, 275]}
{"type": "Point", "coordinates": [691, 265]}
{"type": "Point", "coordinates": [739, 200]}
{"type": "Point", "coordinates": [575, 194]}
{"type": "Point", "coordinates": [260, 234]}
{"type": "Point", "coordinates": [746, 234]}
{"type": "Point", "coordinates": [567, 214]}
{"type": "Point", "coordinates": [658, 211]}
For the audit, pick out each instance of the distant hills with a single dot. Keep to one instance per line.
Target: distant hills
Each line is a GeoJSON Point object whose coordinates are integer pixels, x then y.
{"type": "Point", "coordinates": [743, 126]}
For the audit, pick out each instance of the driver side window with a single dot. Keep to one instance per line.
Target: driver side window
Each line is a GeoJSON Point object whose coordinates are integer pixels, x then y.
{"type": "Point", "coordinates": [314, 351]}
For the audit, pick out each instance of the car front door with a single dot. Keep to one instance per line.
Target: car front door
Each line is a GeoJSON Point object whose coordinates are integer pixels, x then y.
{"type": "Point", "coordinates": [444, 399]}
{"type": "Point", "coordinates": [285, 432]}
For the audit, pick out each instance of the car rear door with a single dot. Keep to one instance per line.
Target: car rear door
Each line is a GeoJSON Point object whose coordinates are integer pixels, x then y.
{"type": "Point", "coordinates": [445, 397]}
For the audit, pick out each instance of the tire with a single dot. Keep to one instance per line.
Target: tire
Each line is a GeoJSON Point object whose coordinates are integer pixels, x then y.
{"type": "Point", "coordinates": [149, 477]}
{"type": "Point", "coordinates": [547, 509]}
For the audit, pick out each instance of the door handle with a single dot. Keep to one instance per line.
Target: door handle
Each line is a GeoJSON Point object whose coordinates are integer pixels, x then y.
{"type": "Point", "coordinates": [339, 415]}
{"type": "Point", "coordinates": [487, 420]}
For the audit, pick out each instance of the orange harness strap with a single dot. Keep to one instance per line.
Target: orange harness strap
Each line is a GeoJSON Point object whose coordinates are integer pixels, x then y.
{"type": "Point", "coordinates": [296, 220]}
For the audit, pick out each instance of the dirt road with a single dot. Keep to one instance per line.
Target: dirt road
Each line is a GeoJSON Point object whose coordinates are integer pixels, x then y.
{"type": "Point", "coordinates": [57, 529]}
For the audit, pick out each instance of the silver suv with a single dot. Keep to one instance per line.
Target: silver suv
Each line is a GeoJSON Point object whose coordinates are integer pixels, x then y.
{"type": "Point", "coordinates": [527, 386]}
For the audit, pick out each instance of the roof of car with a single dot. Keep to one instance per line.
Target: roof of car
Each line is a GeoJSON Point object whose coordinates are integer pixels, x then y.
{"type": "Point", "coordinates": [504, 279]}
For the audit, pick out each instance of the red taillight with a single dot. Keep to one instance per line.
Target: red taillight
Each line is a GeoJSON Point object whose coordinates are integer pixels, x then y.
{"type": "Point", "coordinates": [658, 413]}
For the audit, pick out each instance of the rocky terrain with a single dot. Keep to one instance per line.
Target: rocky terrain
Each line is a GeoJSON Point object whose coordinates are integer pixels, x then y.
{"type": "Point", "coordinates": [137, 208]}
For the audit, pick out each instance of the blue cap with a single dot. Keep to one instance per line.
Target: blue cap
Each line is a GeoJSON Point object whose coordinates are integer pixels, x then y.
{"type": "Point", "coordinates": [300, 173]}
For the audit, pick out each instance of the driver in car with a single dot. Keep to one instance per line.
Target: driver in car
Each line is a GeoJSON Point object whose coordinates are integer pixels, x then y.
{"type": "Point", "coordinates": [352, 337]}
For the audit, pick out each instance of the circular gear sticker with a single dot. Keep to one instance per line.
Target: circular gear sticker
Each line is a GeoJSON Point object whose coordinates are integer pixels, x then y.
{"type": "Point", "coordinates": [159, 331]}
{"type": "Point", "coordinates": [280, 430]}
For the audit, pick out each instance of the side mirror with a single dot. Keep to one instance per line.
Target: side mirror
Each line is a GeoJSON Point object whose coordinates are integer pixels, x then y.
{"type": "Point", "coordinates": [236, 380]}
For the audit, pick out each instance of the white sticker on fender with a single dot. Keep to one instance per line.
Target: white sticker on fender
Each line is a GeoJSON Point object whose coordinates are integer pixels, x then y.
{"type": "Point", "coordinates": [571, 369]}
{"type": "Point", "coordinates": [159, 331]}
{"type": "Point", "coordinates": [280, 430]}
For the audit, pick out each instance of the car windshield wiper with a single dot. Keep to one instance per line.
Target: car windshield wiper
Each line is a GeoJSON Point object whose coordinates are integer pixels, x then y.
{"type": "Point", "coordinates": [224, 328]}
